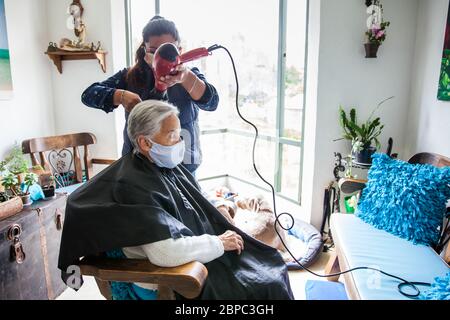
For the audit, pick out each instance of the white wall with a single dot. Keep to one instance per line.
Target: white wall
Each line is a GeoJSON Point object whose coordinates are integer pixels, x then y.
{"type": "Point", "coordinates": [428, 128]}
{"type": "Point", "coordinates": [344, 76]}
{"type": "Point", "coordinates": [30, 112]}
{"type": "Point", "coordinates": [70, 114]}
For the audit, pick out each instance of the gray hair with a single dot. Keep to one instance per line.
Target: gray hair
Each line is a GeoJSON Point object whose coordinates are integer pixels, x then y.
{"type": "Point", "coordinates": [146, 119]}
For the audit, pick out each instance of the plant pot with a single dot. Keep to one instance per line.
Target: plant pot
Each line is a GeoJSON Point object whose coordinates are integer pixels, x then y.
{"type": "Point", "coordinates": [365, 155]}
{"type": "Point", "coordinates": [371, 49]}
{"type": "Point", "coordinates": [10, 207]}
{"type": "Point", "coordinates": [26, 199]}
{"type": "Point", "coordinates": [49, 192]}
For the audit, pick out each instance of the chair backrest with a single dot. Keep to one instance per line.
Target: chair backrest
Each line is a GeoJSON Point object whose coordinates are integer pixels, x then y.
{"type": "Point", "coordinates": [58, 154]}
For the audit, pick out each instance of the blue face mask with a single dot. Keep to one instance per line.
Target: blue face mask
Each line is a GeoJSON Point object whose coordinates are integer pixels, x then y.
{"type": "Point", "coordinates": [167, 156]}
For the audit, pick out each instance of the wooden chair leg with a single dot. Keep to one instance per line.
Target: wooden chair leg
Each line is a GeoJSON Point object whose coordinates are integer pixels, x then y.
{"type": "Point", "coordinates": [447, 254]}
{"type": "Point", "coordinates": [332, 267]}
{"type": "Point", "coordinates": [105, 288]}
{"type": "Point", "coordinates": [165, 293]}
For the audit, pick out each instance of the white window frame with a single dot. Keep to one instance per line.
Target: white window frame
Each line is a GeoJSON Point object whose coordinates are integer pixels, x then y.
{"type": "Point", "coordinates": [281, 75]}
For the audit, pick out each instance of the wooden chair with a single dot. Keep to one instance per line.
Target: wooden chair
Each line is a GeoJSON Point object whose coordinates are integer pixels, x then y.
{"type": "Point", "coordinates": [65, 153]}
{"type": "Point", "coordinates": [187, 280]}
{"type": "Point", "coordinates": [355, 185]}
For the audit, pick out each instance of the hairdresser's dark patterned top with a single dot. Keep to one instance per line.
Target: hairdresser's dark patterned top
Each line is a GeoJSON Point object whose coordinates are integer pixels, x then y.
{"type": "Point", "coordinates": [100, 95]}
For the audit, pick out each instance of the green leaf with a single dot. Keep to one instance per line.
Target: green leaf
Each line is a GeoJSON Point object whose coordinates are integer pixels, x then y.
{"type": "Point", "coordinates": [344, 123]}
{"type": "Point", "coordinates": [373, 125]}
{"type": "Point", "coordinates": [16, 162]}
{"type": "Point", "coordinates": [353, 115]}
{"type": "Point", "coordinates": [342, 117]}
{"type": "Point", "coordinates": [357, 130]}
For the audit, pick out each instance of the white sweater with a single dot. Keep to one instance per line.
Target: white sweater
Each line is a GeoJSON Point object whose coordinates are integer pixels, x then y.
{"type": "Point", "coordinates": [175, 252]}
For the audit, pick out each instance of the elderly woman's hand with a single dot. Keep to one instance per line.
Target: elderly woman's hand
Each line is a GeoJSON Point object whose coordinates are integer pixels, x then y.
{"type": "Point", "coordinates": [232, 241]}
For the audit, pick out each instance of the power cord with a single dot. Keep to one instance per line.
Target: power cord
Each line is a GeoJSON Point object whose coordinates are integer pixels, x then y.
{"type": "Point", "coordinates": [401, 285]}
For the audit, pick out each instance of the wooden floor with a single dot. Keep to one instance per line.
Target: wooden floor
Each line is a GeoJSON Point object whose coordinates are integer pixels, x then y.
{"type": "Point", "coordinates": [298, 278]}
{"type": "Point", "coordinates": [89, 290]}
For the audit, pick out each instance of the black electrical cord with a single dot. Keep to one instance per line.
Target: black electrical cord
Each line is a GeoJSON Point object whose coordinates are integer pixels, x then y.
{"type": "Point", "coordinates": [404, 283]}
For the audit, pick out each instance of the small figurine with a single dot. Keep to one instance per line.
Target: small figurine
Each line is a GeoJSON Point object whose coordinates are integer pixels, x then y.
{"type": "Point", "coordinates": [79, 28]}
{"type": "Point", "coordinates": [76, 10]}
{"type": "Point", "coordinates": [52, 47]}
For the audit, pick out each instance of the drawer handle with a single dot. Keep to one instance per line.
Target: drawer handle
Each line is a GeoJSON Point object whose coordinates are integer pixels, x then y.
{"type": "Point", "coordinates": [16, 251]}
{"type": "Point", "coordinates": [14, 231]}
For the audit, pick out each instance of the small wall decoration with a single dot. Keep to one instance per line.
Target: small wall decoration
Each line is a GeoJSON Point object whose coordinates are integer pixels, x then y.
{"type": "Point", "coordinates": [376, 28]}
{"type": "Point", "coordinates": [76, 24]}
{"type": "Point", "coordinates": [444, 81]}
{"type": "Point", "coordinates": [78, 48]}
{"type": "Point", "coordinates": [6, 87]}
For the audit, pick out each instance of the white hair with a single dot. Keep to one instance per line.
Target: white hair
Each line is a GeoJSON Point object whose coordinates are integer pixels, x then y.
{"type": "Point", "coordinates": [146, 118]}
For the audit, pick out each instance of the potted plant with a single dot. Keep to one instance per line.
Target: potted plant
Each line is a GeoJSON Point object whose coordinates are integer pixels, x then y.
{"type": "Point", "coordinates": [46, 180]}
{"type": "Point", "coordinates": [49, 187]}
{"type": "Point", "coordinates": [11, 182]}
{"type": "Point", "coordinates": [362, 136]}
{"type": "Point", "coordinates": [16, 163]}
{"type": "Point", "coordinates": [376, 32]}
{"type": "Point", "coordinates": [10, 203]}
{"type": "Point", "coordinates": [49, 191]}
{"type": "Point", "coordinates": [29, 180]}
{"type": "Point", "coordinates": [3, 197]}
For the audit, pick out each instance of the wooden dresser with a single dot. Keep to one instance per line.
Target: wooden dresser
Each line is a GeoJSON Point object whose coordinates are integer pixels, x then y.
{"type": "Point", "coordinates": [29, 249]}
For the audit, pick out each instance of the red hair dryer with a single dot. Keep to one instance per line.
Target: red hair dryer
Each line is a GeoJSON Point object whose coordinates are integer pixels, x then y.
{"type": "Point", "coordinates": [167, 58]}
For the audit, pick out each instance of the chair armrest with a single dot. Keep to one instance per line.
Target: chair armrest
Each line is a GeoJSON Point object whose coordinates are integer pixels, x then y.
{"type": "Point", "coordinates": [187, 279]}
{"type": "Point", "coordinates": [347, 185]}
{"type": "Point", "coordinates": [447, 254]}
{"type": "Point", "coordinates": [103, 161]}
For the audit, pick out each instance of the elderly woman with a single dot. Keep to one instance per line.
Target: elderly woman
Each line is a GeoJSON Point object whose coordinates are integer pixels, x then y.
{"type": "Point", "coordinates": [147, 205]}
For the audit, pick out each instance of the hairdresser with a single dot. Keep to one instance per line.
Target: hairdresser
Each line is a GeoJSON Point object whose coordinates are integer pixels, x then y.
{"type": "Point", "coordinates": [188, 90]}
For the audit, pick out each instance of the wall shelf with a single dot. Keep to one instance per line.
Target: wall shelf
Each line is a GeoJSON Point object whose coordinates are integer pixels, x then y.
{"type": "Point", "coordinates": [58, 56]}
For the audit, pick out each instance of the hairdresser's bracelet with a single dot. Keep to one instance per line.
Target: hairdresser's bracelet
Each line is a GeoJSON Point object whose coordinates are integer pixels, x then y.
{"type": "Point", "coordinates": [193, 86]}
{"type": "Point", "coordinates": [121, 97]}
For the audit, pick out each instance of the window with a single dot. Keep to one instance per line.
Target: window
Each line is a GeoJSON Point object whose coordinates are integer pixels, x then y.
{"type": "Point", "coordinates": [139, 12]}
{"type": "Point", "coordinates": [267, 39]}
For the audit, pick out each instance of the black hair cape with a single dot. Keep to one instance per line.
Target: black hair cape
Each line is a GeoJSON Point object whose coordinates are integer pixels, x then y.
{"type": "Point", "coordinates": [134, 202]}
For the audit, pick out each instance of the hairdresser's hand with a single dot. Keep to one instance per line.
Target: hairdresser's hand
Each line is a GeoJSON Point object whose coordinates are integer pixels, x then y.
{"type": "Point", "coordinates": [126, 98]}
{"type": "Point", "coordinates": [180, 77]}
{"type": "Point", "coordinates": [232, 241]}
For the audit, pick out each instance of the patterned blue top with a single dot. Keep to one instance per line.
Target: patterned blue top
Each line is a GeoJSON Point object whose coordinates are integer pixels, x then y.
{"type": "Point", "coordinates": [100, 95]}
{"type": "Point", "coordinates": [126, 290]}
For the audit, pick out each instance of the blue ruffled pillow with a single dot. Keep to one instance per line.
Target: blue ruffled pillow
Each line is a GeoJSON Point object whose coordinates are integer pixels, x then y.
{"type": "Point", "coordinates": [407, 200]}
{"type": "Point", "coordinates": [440, 289]}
